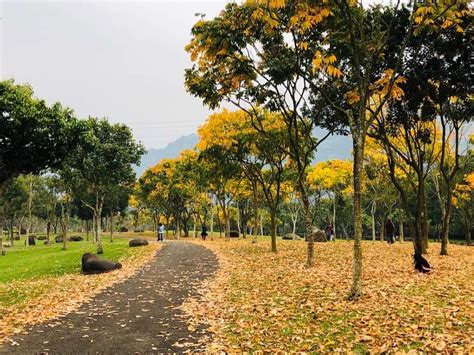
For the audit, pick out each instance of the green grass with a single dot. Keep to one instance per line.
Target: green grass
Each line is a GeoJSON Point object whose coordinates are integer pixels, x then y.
{"type": "Point", "coordinates": [28, 263]}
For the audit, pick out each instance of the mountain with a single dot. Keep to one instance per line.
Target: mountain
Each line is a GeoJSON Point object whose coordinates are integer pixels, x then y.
{"type": "Point", "coordinates": [334, 147]}
{"type": "Point", "coordinates": [172, 150]}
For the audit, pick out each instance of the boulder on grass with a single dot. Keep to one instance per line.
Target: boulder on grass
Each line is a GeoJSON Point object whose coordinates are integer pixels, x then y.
{"type": "Point", "coordinates": [46, 242]}
{"type": "Point", "coordinates": [7, 245]}
{"type": "Point", "coordinates": [319, 236]}
{"type": "Point", "coordinates": [41, 237]}
{"type": "Point", "coordinates": [58, 238]}
{"type": "Point", "coordinates": [123, 230]}
{"type": "Point", "coordinates": [75, 238]}
{"type": "Point", "coordinates": [16, 237]}
{"type": "Point", "coordinates": [291, 236]}
{"type": "Point", "coordinates": [31, 240]}
{"type": "Point", "coordinates": [138, 230]}
{"type": "Point", "coordinates": [138, 243]}
{"type": "Point", "coordinates": [92, 264]}
{"type": "Point", "coordinates": [234, 234]}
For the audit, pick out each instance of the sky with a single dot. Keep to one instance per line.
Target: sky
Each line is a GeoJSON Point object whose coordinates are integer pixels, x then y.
{"type": "Point", "coordinates": [123, 60]}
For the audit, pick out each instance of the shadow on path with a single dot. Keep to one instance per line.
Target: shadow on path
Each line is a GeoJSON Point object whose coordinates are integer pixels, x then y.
{"type": "Point", "coordinates": [137, 315]}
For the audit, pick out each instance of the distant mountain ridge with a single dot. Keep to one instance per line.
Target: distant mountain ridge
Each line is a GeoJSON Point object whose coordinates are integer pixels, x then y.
{"type": "Point", "coordinates": [172, 150]}
{"type": "Point", "coordinates": [334, 147]}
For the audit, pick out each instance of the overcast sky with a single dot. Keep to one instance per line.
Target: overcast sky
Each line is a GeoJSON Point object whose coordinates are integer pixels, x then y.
{"type": "Point", "coordinates": [124, 60]}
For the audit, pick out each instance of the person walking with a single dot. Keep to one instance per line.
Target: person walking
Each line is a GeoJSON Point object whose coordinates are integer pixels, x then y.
{"type": "Point", "coordinates": [161, 232]}
{"type": "Point", "coordinates": [204, 232]}
{"type": "Point", "coordinates": [389, 231]}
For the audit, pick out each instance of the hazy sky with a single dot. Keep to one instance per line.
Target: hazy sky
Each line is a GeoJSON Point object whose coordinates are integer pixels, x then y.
{"type": "Point", "coordinates": [121, 59]}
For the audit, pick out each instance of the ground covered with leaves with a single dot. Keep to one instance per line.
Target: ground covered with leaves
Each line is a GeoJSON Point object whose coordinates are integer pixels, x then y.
{"type": "Point", "coordinates": [44, 282]}
{"type": "Point", "coordinates": [265, 301]}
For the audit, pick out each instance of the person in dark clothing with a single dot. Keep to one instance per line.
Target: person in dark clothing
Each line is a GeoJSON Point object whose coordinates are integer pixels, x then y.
{"type": "Point", "coordinates": [329, 232]}
{"type": "Point", "coordinates": [421, 264]}
{"type": "Point", "coordinates": [204, 232]}
{"type": "Point", "coordinates": [389, 231]}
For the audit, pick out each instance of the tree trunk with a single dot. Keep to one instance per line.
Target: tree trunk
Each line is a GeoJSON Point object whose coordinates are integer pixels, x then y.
{"type": "Point", "coordinates": [212, 221]}
{"type": "Point", "coordinates": [48, 232]}
{"type": "Point", "coordinates": [308, 219]}
{"type": "Point", "coordinates": [12, 238]}
{"type": "Point", "coordinates": [111, 227]}
{"type": "Point", "coordinates": [334, 200]}
{"type": "Point", "coordinates": [400, 222]}
{"type": "Point", "coordinates": [446, 221]}
{"type": "Point", "coordinates": [238, 221]}
{"type": "Point", "coordinates": [382, 229]}
{"type": "Point", "coordinates": [2, 220]}
{"type": "Point", "coordinates": [64, 226]}
{"type": "Point", "coordinates": [372, 210]}
{"type": "Point", "coordinates": [273, 230]}
{"type": "Point", "coordinates": [178, 228]}
{"type": "Point", "coordinates": [261, 224]}
{"type": "Point", "coordinates": [98, 230]}
{"type": "Point", "coordinates": [30, 202]}
{"type": "Point", "coordinates": [358, 143]}
{"type": "Point", "coordinates": [87, 230]}
{"type": "Point", "coordinates": [468, 231]}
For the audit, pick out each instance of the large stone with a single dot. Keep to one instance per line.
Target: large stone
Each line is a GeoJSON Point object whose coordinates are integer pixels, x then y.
{"type": "Point", "coordinates": [75, 238]}
{"type": "Point", "coordinates": [31, 240]}
{"type": "Point", "coordinates": [234, 234]}
{"type": "Point", "coordinates": [41, 237]}
{"type": "Point", "coordinates": [319, 236]}
{"type": "Point", "coordinates": [92, 264]}
{"type": "Point", "coordinates": [291, 236]}
{"type": "Point", "coordinates": [138, 243]}
{"type": "Point", "coordinates": [58, 238]}
{"type": "Point", "coordinates": [16, 237]}
{"type": "Point", "coordinates": [123, 229]}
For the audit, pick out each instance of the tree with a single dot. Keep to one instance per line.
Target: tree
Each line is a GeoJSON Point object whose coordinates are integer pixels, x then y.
{"type": "Point", "coordinates": [333, 177]}
{"type": "Point", "coordinates": [33, 136]}
{"type": "Point", "coordinates": [102, 161]}
{"type": "Point", "coordinates": [260, 155]}
{"type": "Point", "coordinates": [252, 59]}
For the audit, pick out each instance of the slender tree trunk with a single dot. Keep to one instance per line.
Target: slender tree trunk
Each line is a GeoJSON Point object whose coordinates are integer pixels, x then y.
{"type": "Point", "coordinates": [372, 210]}
{"type": "Point", "coordinates": [238, 221]}
{"type": "Point", "coordinates": [382, 229]}
{"type": "Point", "coordinates": [2, 220]}
{"type": "Point", "coordinates": [64, 226]}
{"type": "Point", "coordinates": [178, 228]}
{"type": "Point", "coordinates": [30, 202]}
{"type": "Point", "coordinates": [446, 222]}
{"type": "Point", "coordinates": [468, 231]}
{"type": "Point", "coordinates": [356, 288]}
{"type": "Point", "coordinates": [98, 229]}
{"type": "Point", "coordinates": [273, 229]}
{"type": "Point", "coordinates": [12, 238]}
{"type": "Point", "coordinates": [400, 222]}
{"type": "Point", "coordinates": [334, 200]}
{"type": "Point", "coordinates": [261, 224]}
{"type": "Point", "coordinates": [111, 227]}
{"type": "Point", "coordinates": [308, 219]}
{"type": "Point", "coordinates": [48, 232]}
{"type": "Point", "coordinates": [212, 221]}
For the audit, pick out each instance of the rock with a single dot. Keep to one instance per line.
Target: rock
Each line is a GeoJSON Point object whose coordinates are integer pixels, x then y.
{"type": "Point", "coordinates": [6, 245]}
{"type": "Point", "coordinates": [41, 237]}
{"type": "Point", "coordinates": [138, 230]}
{"type": "Point", "coordinates": [46, 242]}
{"type": "Point", "coordinates": [58, 238]}
{"type": "Point", "coordinates": [75, 238]}
{"type": "Point", "coordinates": [234, 234]}
{"type": "Point", "coordinates": [31, 240]}
{"type": "Point", "coordinates": [16, 237]}
{"type": "Point", "coordinates": [91, 264]}
{"type": "Point", "coordinates": [291, 236]}
{"type": "Point", "coordinates": [123, 229]}
{"type": "Point", "coordinates": [319, 236]}
{"type": "Point", "coordinates": [138, 243]}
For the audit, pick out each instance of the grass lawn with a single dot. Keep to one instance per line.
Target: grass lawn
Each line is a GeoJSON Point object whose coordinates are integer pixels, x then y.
{"type": "Point", "coordinates": [25, 266]}
{"type": "Point", "coordinates": [273, 302]}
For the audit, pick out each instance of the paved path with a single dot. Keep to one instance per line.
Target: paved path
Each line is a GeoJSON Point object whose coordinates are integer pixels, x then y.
{"type": "Point", "coordinates": [138, 315]}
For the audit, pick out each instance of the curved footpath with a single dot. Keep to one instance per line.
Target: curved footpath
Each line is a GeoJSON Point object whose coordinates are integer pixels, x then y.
{"type": "Point", "coordinates": [139, 315]}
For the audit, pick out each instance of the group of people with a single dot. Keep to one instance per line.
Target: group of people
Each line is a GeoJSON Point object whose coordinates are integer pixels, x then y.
{"type": "Point", "coordinates": [161, 232]}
